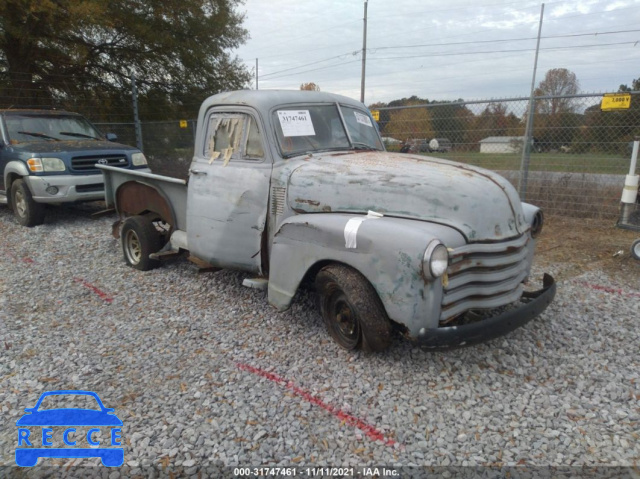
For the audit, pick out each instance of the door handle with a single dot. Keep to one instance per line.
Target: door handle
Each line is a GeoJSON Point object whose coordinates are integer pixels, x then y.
{"type": "Point", "coordinates": [197, 172]}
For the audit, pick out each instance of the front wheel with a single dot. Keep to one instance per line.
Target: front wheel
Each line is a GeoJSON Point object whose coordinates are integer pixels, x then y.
{"type": "Point", "coordinates": [635, 249]}
{"type": "Point", "coordinates": [140, 238]}
{"type": "Point", "coordinates": [27, 211]}
{"type": "Point", "coordinates": [352, 311]}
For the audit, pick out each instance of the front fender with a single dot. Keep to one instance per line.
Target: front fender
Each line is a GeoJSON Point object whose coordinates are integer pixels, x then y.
{"type": "Point", "coordinates": [388, 252]}
{"type": "Point", "coordinates": [14, 168]}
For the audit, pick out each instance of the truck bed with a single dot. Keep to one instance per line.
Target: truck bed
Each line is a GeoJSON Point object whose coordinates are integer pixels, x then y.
{"type": "Point", "coordinates": [173, 189]}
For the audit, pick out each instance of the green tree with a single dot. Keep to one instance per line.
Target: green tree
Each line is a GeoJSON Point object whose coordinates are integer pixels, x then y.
{"type": "Point", "coordinates": [64, 49]}
{"type": "Point", "coordinates": [451, 120]}
{"type": "Point", "coordinates": [635, 86]}
{"type": "Point", "coordinates": [495, 121]}
{"type": "Point", "coordinates": [409, 123]}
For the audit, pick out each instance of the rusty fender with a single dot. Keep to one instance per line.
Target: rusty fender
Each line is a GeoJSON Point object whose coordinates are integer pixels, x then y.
{"type": "Point", "coordinates": [388, 252]}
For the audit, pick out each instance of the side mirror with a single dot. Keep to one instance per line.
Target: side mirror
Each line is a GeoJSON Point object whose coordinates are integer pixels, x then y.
{"type": "Point", "coordinates": [111, 137]}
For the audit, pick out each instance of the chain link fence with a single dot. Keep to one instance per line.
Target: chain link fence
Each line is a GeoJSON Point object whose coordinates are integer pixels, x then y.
{"type": "Point", "coordinates": [168, 145]}
{"type": "Point", "coordinates": [578, 154]}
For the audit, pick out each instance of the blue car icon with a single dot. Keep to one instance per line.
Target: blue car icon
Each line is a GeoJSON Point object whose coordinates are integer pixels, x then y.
{"type": "Point", "coordinates": [68, 417]}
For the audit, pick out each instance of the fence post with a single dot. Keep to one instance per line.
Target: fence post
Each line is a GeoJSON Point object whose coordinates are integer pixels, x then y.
{"type": "Point", "coordinates": [136, 118]}
{"type": "Point", "coordinates": [528, 136]}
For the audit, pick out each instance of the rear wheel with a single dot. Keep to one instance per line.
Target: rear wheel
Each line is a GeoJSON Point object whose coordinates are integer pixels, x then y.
{"type": "Point", "coordinates": [140, 238]}
{"type": "Point", "coordinates": [27, 211]}
{"type": "Point", "coordinates": [352, 311]}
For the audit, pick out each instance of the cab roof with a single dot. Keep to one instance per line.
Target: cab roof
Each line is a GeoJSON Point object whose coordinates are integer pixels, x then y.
{"type": "Point", "coordinates": [265, 100]}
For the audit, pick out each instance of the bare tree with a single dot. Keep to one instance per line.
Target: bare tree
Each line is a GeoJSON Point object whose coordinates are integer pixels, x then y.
{"type": "Point", "coordinates": [558, 82]}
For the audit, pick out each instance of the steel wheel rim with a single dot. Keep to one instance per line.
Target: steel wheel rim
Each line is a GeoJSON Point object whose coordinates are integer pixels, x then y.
{"type": "Point", "coordinates": [636, 249]}
{"type": "Point", "coordinates": [133, 248]}
{"type": "Point", "coordinates": [344, 320]}
{"type": "Point", "coordinates": [21, 203]}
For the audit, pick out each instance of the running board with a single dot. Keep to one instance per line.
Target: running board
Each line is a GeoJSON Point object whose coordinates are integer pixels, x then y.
{"type": "Point", "coordinates": [3, 200]}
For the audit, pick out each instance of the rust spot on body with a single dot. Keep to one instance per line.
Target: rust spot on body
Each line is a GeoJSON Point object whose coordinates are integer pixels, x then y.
{"type": "Point", "coordinates": [309, 202]}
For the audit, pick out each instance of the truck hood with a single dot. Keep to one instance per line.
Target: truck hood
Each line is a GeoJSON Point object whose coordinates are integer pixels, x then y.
{"type": "Point", "coordinates": [479, 203]}
{"type": "Point", "coordinates": [86, 146]}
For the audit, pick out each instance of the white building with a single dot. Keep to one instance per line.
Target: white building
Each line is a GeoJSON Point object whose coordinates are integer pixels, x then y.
{"type": "Point", "coordinates": [502, 144]}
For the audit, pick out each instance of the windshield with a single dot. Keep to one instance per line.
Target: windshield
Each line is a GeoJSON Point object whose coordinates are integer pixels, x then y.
{"type": "Point", "coordinates": [23, 128]}
{"type": "Point", "coordinates": [311, 128]}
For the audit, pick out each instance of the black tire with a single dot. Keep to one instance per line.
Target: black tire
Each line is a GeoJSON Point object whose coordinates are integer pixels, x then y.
{"type": "Point", "coordinates": [27, 211]}
{"type": "Point", "coordinates": [140, 238]}
{"type": "Point", "coordinates": [635, 249]}
{"type": "Point", "coordinates": [352, 311]}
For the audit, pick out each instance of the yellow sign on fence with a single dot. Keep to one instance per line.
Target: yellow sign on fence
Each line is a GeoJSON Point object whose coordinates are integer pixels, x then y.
{"type": "Point", "coordinates": [375, 114]}
{"type": "Point", "coordinates": [615, 101]}
{"type": "Point", "coordinates": [183, 123]}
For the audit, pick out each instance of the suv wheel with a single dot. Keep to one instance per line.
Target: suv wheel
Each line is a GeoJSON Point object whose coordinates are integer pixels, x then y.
{"type": "Point", "coordinates": [27, 211]}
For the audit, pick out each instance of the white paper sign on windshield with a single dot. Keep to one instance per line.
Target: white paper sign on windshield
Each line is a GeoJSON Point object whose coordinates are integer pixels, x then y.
{"type": "Point", "coordinates": [364, 119]}
{"type": "Point", "coordinates": [296, 123]}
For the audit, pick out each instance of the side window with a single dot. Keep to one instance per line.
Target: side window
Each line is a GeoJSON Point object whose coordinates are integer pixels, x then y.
{"type": "Point", "coordinates": [232, 136]}
{"type": "Point", "coordinates": [253, 148]}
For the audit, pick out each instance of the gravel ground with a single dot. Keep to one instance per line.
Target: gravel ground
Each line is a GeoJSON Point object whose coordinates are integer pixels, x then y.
{"type": "Point", "coordinates": [203, 372]}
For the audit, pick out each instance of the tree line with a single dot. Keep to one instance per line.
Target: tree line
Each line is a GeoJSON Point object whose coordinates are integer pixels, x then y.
{"type": "Point", "coordinates": [562, 122]}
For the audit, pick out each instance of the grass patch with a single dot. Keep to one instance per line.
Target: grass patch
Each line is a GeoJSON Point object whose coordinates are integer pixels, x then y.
{"type": "Point", "coordinates": [555, 162]}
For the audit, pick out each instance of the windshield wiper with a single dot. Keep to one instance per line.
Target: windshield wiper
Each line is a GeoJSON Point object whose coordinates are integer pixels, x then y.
{"type": "Point", "coordinates": [79, 135]}
{"type": "Point", "coordinates": [38, 135]}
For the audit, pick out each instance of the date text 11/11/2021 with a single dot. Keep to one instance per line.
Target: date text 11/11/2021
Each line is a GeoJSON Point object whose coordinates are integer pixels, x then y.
{"type": "Point", "coordinates": [315, 472]}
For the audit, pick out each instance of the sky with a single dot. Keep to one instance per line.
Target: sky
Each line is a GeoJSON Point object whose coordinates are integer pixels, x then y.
{"type": "Point", "coordinates": [458, 49]}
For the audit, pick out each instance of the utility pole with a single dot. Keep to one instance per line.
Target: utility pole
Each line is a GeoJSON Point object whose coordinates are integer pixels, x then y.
{"type": "Point", "coordinates": [364, 52]}
{"type": "Point", "coordinates": [528, 131]}
{"type": "Point", "coordinates": [256, 74]}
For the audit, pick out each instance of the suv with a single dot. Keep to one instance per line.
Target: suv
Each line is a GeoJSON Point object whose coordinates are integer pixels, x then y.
{"type": "Point", "coordinates": [49, 156]}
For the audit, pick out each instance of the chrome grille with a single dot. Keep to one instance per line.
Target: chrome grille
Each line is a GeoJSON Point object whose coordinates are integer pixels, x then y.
{"type": "Point", "coordinates": [88, 163]}
{"type": "Point", "coordinates": [485, 276]}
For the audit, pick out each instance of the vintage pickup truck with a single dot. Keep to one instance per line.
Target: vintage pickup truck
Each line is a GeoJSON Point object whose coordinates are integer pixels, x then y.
{"type": "Point", "coordinates": [296, 188]}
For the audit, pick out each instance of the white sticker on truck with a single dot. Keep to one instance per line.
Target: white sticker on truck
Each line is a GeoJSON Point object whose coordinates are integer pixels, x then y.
{"type": "Point", "coordinates": [363, 119]}
{"type": "Point", "coordinates": [296, 123]}
{"type": "Point", "coordinates": [352, 226]}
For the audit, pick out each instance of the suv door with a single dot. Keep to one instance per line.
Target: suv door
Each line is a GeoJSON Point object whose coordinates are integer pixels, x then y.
{"type": "Point", "coordinates": [228, 192]}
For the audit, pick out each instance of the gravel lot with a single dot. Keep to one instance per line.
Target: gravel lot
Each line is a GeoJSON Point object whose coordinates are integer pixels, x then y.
{"type": "Point", "coordinates": [203, 372]}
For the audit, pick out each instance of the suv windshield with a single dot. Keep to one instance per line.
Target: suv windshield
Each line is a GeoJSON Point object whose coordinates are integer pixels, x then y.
{"type": "Point", "coordinates": [23, 128]}
{"type": "Point", "coordinates": [311, 128]}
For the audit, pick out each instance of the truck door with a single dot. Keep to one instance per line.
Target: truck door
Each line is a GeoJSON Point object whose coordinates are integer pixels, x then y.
{"type": "Point", "coordinates": [228, 191]}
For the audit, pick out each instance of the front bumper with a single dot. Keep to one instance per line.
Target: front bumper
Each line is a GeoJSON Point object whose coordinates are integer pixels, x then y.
{"type": "Point", "coordinates": [70, 188]}
{"type": "Point", "coordinates": [484, 330]}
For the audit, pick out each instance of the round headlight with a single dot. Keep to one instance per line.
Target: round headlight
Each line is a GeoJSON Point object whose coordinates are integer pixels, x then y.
{"type": "Point", "coordinates": [536, 224]}
{"type": "Point", "coordinates": [436, 260]}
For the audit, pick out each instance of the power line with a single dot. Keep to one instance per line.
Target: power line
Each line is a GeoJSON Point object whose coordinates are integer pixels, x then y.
{"type": "Point", "coordinates": [373, 51]}
{"type": "Point", "coordinates": [312, 63]}
{"type": "Point", "coordinates": [314, 69]}
{"type": "Point", "coordinates": [505, 40]}
{"type": "Point", "coordinates": [504, 51]}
